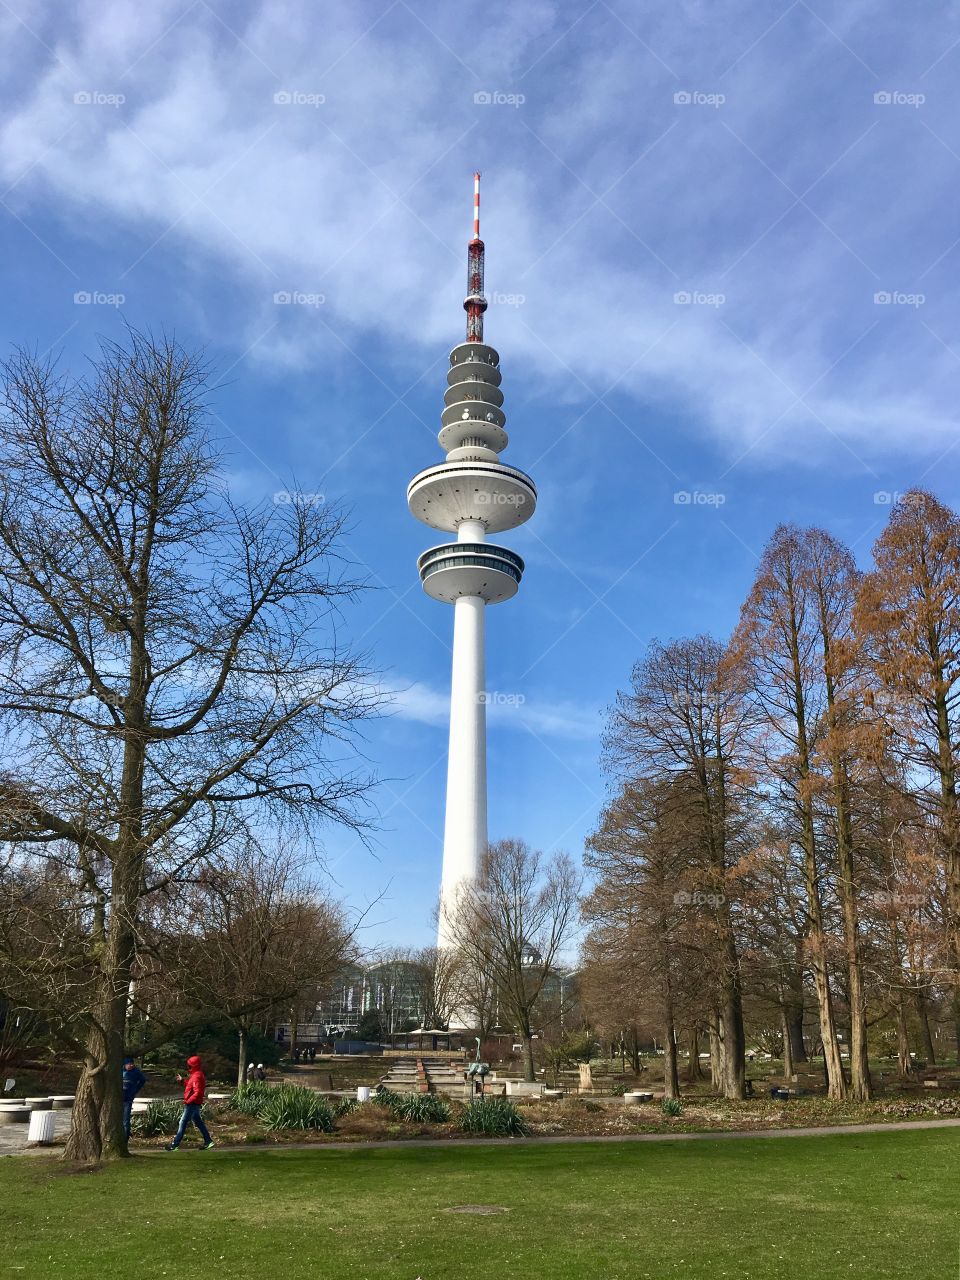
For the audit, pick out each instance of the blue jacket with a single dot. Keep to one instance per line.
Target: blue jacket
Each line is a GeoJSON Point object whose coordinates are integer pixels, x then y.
{"type": "Point", "coordinates": [133, 1082]}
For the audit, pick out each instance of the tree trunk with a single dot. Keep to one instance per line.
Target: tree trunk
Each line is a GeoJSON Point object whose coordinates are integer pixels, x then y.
{"type": "Point", "coordinates": [529, 1074]}
{"type": "Point", "coordinates": [96, 1122]}
{"type": "Point", "coordinates": [798, 1049]}
{"type": "Point", "coordinates": [731, 1026]}
{"type": "Point", "coordinates": [716, 1056]}
{"type": "Point", "coordinates": [696, 1071]}
{"type": "Point", "coordinates": [671, 1076]}
{"type": "Point", "coordinates": [96, 1125]}
{"type": "Point", "coordinates": [904, 1061]}
{"type": "Point", "coordinates": [788, 1065]}
{"type": "Point", "coordinates": [832, 1063]}
{"type": "Point", "coordinates": [635, 1051]}
{"type": "Point", "coordinates": [926, 1039]}
{"type": "Point", "coordinates": [242, 1056]}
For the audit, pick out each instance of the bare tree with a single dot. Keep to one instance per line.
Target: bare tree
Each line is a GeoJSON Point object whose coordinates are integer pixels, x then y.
{"type": "Point", "coordinates": [170, 668]}
{"type": "Point", "coordinates": [251, 934]}
{"type": "Point", "coordinates": [513, 923]}
{"type": "Point", "coordinates": [685, 718]}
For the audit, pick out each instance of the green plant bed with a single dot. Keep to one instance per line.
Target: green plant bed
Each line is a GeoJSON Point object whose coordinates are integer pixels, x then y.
{"type": "Point", "coordinates": [494, 1118]}
{"type": "Point", "coordinates": [161, 1117]}
{"type": "Point", "coordinates": [417, 1108]}
{"type": "Point", "coordinates": [291, 1107]}
{"type": "Point", "coordinates": [250, 1098]}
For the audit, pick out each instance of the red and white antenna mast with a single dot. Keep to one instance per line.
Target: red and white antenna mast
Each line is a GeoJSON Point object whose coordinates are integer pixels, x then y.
{"type": "Point", "coordinates": [475, 304]}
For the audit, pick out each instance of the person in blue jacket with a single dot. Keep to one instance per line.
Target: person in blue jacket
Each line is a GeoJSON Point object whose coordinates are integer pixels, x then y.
{"type": "Point", "coordinates": [133, 1082]}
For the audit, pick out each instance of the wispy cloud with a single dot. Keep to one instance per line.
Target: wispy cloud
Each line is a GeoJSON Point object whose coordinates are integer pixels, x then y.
{"type": "Point", "coordinates": [323, 164]}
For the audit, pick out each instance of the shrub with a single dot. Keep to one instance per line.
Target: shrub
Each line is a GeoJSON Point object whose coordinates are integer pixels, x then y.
{"type": "Point", "coordinates": [344, 1107]}
{"type": "Point", "coordinates": [493, 1117]}
{"type": "Point", "coordinates": [417, 1108]}
{"type": "Point", "coordinates": [423, 1108]}
{"type": "Point", "coordinates": [250, 1098]}
{"type": "Point", "coordinates": [293, 1107]}
{"type": "Point", "coordinates": [161, 1117]}
{"type": "Point", "coordinates": [671, 1106]}
{"type": "Point", "coordinates": [619, 1089]}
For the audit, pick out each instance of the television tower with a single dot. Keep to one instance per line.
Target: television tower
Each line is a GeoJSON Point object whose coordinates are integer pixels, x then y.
{"type": "Point", "coordinates": [471, 494]}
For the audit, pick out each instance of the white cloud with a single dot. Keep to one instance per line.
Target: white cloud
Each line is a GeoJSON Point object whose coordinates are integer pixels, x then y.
{"type": "Point", "coordinates": [365, 198]}
{"type": "Point", "coordinates": [427, 704]}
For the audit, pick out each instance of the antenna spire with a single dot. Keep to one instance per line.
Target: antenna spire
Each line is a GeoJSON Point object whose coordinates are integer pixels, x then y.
{"type": "Point", "coordinates": [475, 304]}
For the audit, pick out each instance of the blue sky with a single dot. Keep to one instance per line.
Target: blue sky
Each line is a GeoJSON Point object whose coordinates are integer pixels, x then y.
{"type": "Point", "coordinates": [722, 252]}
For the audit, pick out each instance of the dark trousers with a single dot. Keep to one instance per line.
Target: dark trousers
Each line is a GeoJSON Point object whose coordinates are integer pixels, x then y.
{"type": "Point", "coordinates": [127, 1113]}
{"type": "Point", "coordinates": [191, 1115]}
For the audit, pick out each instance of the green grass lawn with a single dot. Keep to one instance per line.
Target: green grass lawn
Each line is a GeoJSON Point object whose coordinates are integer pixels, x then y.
{"type": "Point", "coordinates": [855, 1206]}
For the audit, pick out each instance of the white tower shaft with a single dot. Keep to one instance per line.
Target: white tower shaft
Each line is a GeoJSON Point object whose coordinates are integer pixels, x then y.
{"type": "Point", "coordinates": [465, 826]}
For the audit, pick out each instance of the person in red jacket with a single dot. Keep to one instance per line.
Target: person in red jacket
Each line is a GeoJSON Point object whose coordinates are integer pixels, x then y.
{"type": "Point", "coordinates": [193, 1091]}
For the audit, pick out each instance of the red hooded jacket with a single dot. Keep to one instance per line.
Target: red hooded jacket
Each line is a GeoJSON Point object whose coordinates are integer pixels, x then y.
{"type": "Point", "coordinates": [196, 1083]}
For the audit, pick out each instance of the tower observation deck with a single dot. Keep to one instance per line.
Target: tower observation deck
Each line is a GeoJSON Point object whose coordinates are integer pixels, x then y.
{"type": "Point", "coordinates": [471, 494]}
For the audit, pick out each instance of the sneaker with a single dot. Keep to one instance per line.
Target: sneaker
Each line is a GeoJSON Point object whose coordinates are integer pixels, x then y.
{"type": "Point", "coordinates": [207, 1145]}
{"type": "Point", "coordinates": [172, 1146]}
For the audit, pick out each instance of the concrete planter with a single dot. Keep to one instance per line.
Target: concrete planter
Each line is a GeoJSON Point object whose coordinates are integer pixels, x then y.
{"type": "Point", "coordinates": [524, 1089]}
{"type": "Point", "coordinates": [62, 1101]}
{"type": "Point", "coordinates": [636, 1096]}
{"type": "Point", "coordinates": [14, 1115]}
